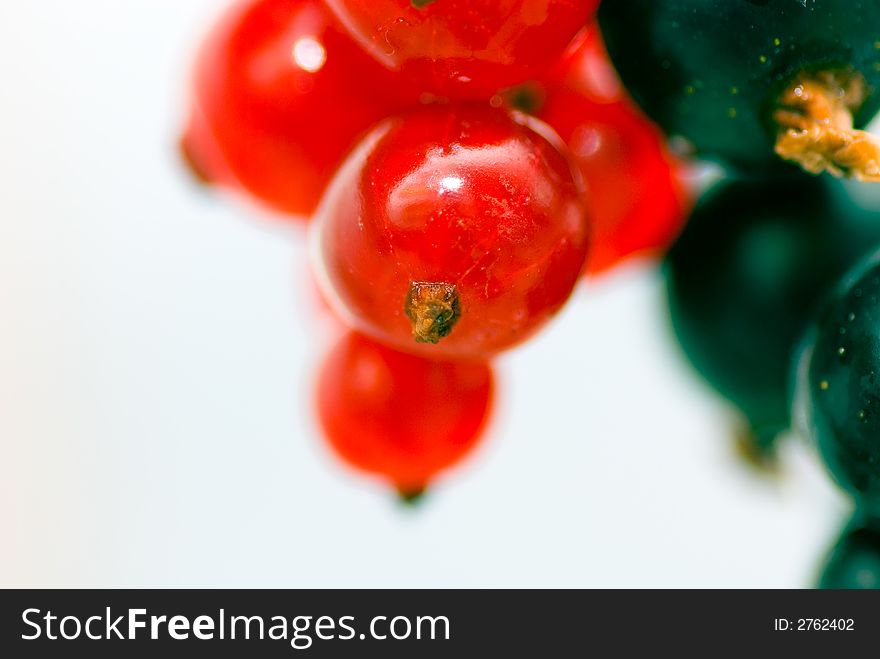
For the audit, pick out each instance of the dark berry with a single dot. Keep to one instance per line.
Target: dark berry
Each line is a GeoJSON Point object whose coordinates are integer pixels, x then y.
{"type": "Point", "coordinates": [743, 278]}
{"type": "Point", "coordinates": [839, 383]}
{"type": "Point", "coordinates": [738, 79]}
{"type": "Point", "coordinates": [854, 563]}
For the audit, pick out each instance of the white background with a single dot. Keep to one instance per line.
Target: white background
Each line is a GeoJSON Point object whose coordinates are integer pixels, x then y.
{"type": "Point", "coordinates": [157, 346]}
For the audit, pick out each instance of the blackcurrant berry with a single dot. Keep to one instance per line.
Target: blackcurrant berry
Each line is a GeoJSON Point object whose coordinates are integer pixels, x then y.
{"type": "Point", "coordinates": [838, 388]}
{"type": "Point", "coordinates": [738, 78]}
{"type": "Point", "coordinates": [854, 563]}
{"type": "Point", "coordinates": [742, 280]}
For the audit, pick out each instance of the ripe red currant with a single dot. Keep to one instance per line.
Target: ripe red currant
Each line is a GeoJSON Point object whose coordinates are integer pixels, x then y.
{"type": "Point", "coordinates": [638, 200]}
{"type": "Point", "coordinates": [454, 230]}
{"type": "Point", "coordinates": [465, 48]}
{"type": "Point", "coordinates": [402, 417]}
{"type": "Point", "coordinates": [280, 93]}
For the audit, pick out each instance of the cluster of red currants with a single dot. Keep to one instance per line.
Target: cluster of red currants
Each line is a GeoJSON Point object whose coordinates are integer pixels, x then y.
{"type": "Point", "coordinates": [465, 162]}
{"type": "Point", "coordinates": [462, 162]}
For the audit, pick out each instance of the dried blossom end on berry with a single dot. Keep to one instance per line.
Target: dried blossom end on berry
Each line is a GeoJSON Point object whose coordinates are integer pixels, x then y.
{"type": "Point", "coordinates": [411, 496]}
{"type": "Point", "coordinates": [815, 119]}
{"type": "Point", "coordinates": [433, 309]}
{"type": "Point", "coordinates": [193, 163]}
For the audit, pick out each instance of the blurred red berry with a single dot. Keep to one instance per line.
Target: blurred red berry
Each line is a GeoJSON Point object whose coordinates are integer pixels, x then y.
{"type": "Point", "coordinates": [638, 199]}
{"type": "Point", "coordinates": [279, 95]}
{"type": "Point", "coordinates": [465, 48]}
{"type": "Point", "coordinates": [455, 231]}
{"type": "Point", "coordinates": [401, 417]}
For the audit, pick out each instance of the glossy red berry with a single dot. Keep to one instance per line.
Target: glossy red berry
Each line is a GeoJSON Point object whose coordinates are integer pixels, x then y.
{"type": "Point", "coordinates": [399, 416]}
{"type": "Point", "coordinates": [638, 199]}
{"type": "Point", "coordinates": [456, 231]}
{"type": "Point", "coordinates": [280, 93]}
{"type": "Point", "coordinates": [465, 48]}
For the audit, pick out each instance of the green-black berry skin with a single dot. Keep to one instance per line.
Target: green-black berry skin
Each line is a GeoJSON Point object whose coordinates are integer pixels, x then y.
{"type": "Point", "coordinates": [838, 383]}
{"type": "Point", "coordinates": [744, 276]}
{"type": "Point", "coordinates": [710, 70]}
{"type": "Point", "coordinates": [854, 562]}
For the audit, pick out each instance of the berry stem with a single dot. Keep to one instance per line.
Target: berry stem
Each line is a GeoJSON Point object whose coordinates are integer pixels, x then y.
{"type": "Point", "coordinates": [411, 496]}
{"type": "Point", "coordinates": [814, 115]}
{"type": "Point", "coordinates": [757, 450]}
{"type": "Point", "coordinates": [433, 309]}
{"type": "Point", "coordinates": [193, 163]}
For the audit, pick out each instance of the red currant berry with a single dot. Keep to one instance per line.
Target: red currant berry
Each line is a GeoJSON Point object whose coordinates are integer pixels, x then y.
{"type": "Point", "coordinates": [399, 416]}
{"type": "Point", "coordinates": [280, 93]}
{"type": "Point", "coordinates": [465, 48]}
{"type": "Point", "coordinates": [456, 231]}
{"type": "Point", "coordinates": [638, 200]}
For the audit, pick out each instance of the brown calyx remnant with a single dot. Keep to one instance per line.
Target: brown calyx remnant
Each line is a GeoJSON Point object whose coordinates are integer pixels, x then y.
{"type": "Point", "coordinates": [433, 309]}
{"type": "Point", "coordinates": [411, 496]}
{"type": "Point", "coordinates": [193, 163]}
{"type": "Point", "coordinates": [762, 460]}
{"type": "Point", "coordinates": [815, 119]}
